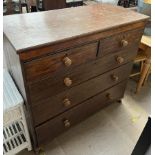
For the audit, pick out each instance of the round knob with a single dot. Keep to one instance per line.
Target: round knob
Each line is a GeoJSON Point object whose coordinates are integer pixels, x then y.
{"type": "Point", "coordinates": [67, 61]}
{"type": "Point", "coordinates": [66, 102]}
{"type": "Point", "coordinates": [114, 77]}
{"type": "Point", "coordinates": [124, 43]}
{"type": "Point", "coordinates": [67, 81]}
{"type": "Point", "coordinates": [120, 59]}
{"type": "Point", "coordinates": [67, 123]}
{"type": "Point", "coordinates": [109, 97]}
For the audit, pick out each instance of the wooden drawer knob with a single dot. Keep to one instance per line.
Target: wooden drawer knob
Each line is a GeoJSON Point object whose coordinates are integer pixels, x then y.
{"type": "Point", "coordinates": [66, 102]}
{"type": "Point", "coordinates": [67, 123]}
{"type": "Point", "coordinates": [67, 82]}
{"type": "Point", "coordinates": [120, 59]}
{"type": "Point", "coordinates": [114, 77]}
{"type": "Point", "coordinates": [124, 43]}
{"type": "Point", "coordinates": [109, 97]}
{"type": "Point", "coordinates": [67, 61]}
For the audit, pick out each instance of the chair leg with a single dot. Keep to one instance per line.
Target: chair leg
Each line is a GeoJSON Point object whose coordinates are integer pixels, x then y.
{"type": "Point", "coordinates": [147, 75]}
{"type": "Point", "coordinates": [143, 74]}
{"type": "Point", "coordinates": [142, 64]}
{"type": "Point", "coordinates": [119, 3]}
{"type": "Point", "coordinates": [27, 8]}
{"type": "Point", "coordinates": [20, 6]}
{"type": "Point", "coordinates": [33, 9]}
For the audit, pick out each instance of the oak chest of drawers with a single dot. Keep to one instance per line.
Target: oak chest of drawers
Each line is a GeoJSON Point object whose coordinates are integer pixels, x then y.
{"type": "Point", "coordinates": [70, 63]}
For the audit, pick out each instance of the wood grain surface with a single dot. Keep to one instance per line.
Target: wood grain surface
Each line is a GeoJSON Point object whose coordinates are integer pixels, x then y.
{"type": "Point", "coordinates": [78, 73]}
{"type": "Point", "coordinates": [56, 126]}
{"type": "Point", "coordinates": [114, 43]}
{"type": "Point", "coordinates": [26, 31]}
{"type": "Point", "coordinates": [38, 52]}
{"type": "Point", "coordinates": [81, 73]}
{"type": "Point", "coordinates": [48, 106]}
{"type": "Point", "coordinates": [58, 94]}
{"type": "Point", "coordinates": [54, 63]}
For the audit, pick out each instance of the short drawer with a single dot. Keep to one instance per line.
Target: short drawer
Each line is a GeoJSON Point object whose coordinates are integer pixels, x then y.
{"type": "Point", "coordinates": [55, 85]}
{"type": "Point", "coordinates": [54, 127]}
{"type": "Point", "coordinates": [50, 106]}
{"type": "Point", "coordinates": [49, 65]}
{"type": "Point", "coordinates": [120, 41]}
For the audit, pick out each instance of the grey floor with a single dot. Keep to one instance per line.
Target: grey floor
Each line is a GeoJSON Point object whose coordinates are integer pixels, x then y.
{"type": "Point", "coordinates": [112, 131]}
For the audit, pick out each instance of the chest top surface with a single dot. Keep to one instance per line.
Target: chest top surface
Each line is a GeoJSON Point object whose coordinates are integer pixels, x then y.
{"type": "Point", "coordinates": [26, 31]}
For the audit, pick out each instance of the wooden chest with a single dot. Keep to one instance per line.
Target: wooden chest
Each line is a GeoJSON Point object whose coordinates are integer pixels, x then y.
{"type": "Point", "coordinates": [70, 63]}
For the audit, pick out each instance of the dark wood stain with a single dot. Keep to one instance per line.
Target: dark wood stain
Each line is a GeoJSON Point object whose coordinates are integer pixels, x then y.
{"type": "Point", "coordinates": [113, 43]}
{"type": "Point", "coordinates": [49, 27]}
{"type": "Point", "coordinates": [77, 75]}
{"type": "Point", "coordinates": [67, 44]}
{"type": "Point", "coordinates": [50, 105]}
{"type": "Point", "coordinates": [53, 63]}
{"type": "Point", "coordinates": [53, 4]}
{"type": "Point", "coordinates": [56, 126]}
{"type": "Point", "coordinates": [59, 95]}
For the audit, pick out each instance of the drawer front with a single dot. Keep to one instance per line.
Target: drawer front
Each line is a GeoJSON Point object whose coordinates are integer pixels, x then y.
{"type": "Point", "coordinates": [50, 106]}
{"type": "Point", "coordinates": [49, 65]}
{"type": "Point", "coordinates": [120, 41]}
{"type": "Point", "coordinates": [56, 85]}
{"type": "Point", "coordinates": [54, 127]}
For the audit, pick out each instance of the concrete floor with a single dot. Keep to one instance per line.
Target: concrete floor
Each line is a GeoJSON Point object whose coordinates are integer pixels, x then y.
{"type": "Point", "coordinates": [112, 131]}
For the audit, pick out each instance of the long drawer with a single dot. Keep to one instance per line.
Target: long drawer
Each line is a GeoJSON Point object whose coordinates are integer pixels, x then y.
{"type": "Point", "coordinates": [65, 60]}
{"type": "Point", "coordinates": [52, 128]}
{"type": "Point", "coordinates": [55, 85]}
{"type": "Point", "coordinates": [49, 106]}
{"type": "Point", "coordinates": [120, 41]}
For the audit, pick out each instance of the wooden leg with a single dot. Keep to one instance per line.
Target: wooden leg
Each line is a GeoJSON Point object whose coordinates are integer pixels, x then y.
{"type": "Point", "coordinates": [143, 74]}
{"type": "Point", "coordinates": [147, 75]}
{"type": "Point", "coordinates": [142, 64]}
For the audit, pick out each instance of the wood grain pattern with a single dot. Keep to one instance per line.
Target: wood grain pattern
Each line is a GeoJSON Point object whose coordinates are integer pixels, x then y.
{"type": "Point", "coordinates": [81, 73]}
{"type": "Point", "coordinates": [54, 63]}
{"type": "Point", "coordinates": [64, 45]}
{"type": "Point", "coordinates": [40, 95]}
{"type": "Point", "coordinates": [61, 92]}
{"type": "Point", "coordinates": [114, 43]}
{"type": "Point", "coordinates": [65, 24]}
{"type": "Point", "coordinates": [50, 106]}
{"type": "Point", "coordinates": [56, 126]}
